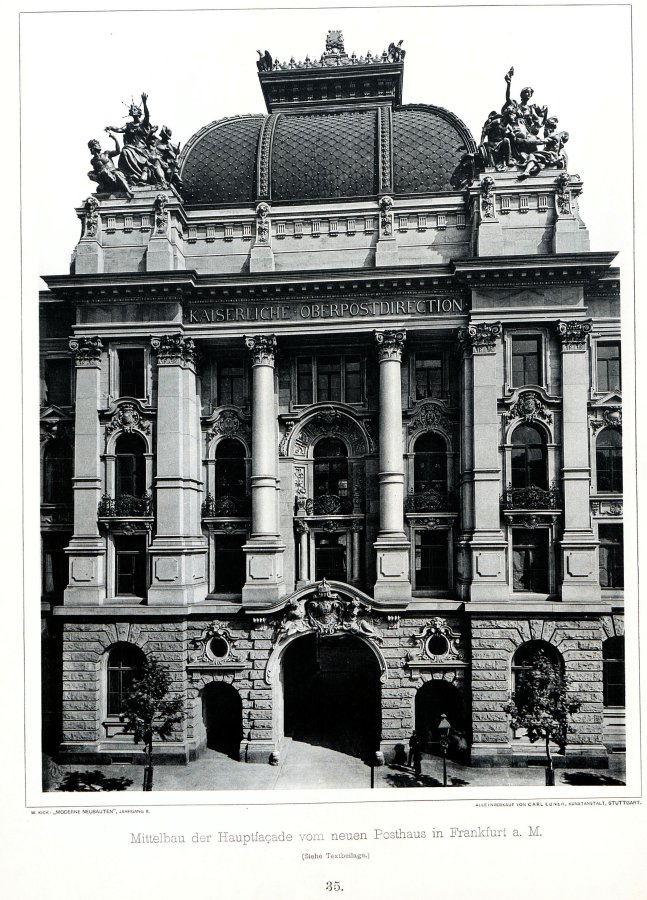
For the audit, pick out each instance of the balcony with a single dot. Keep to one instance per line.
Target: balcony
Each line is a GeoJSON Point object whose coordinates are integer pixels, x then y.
{"type": "Point", "coordinates": [532, 497]}
{"type": "Point", "coordinates": [126, 507]}
{"type": "Point", "coordinates": [429, 501]}
{"type": "Point", "coordinates": [329, 505]}
{"type": "Point", "coordinates": [227, 505]}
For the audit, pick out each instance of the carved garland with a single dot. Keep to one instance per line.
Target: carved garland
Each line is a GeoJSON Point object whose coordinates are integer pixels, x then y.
{"type": "Point", "coordinates": [90, 218]}
{"type": "Point", "coordinates": [611, 418]}
{"type": "Point", "coordinates": [263, 223]}
{"type": "Point", "coordinates": [563, 195]}
{"type": "Point", "coordinates": [487, 197]}
{"type": "Point", "coordinates": [386, 216]}
{"type": "Point", "coordinates": [161, 213]}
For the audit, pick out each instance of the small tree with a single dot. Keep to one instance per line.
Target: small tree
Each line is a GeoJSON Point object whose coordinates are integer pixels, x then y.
{"type": "Point", "coordinates": [542, 705]}
{"type": "Point", "coordinates": [148, 714]}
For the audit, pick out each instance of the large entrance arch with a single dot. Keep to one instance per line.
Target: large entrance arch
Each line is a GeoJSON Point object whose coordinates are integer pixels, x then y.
{"type": "Point", "coordinates": [222, 714]}
{"type": "Point", "coordinates": [331, 694]}
{"type": "Point", "coordinates": [433, 699]}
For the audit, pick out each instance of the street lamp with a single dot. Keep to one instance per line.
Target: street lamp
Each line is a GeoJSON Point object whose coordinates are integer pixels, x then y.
{"type": "Point", "coordinates": [443, 730]}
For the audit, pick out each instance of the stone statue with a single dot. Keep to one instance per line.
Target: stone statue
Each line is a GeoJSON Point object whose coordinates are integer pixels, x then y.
{"type": "Point", "coordinates": [134, 158]}
{"type": "Point", "coordinates": [395, 52]}
{"type": "Point", "coordinates": [103, 170]}
{"type": "Point", "coordinates": [168, 153]}
{"type": "Point", "coordinates": [264, 62]}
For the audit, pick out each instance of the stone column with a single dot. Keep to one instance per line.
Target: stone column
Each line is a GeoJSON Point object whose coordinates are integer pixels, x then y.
{"type": "Point", "coordinates": [304, 536]}
{"type": "Point", "coordinates": [487, 544]}
{"type": "Point", "coordinates": [392, 546]}
{"type": "Point", "coordinates": [178, 550]}
{"type": "Point", "coordinates": [357, 528]}
{"type": "Point", "coordinates": [87, 552]}
{"type": "Point", "coordinates": [264, 583]}
{"type": "Point", "coordinates": [578, 546]}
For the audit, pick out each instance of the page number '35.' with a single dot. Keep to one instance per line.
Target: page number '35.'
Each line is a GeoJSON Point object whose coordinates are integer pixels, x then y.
{"type": "Point", "coordinates": [333, 886]}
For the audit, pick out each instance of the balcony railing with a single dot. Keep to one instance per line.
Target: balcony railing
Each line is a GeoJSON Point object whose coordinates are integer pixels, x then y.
{"type": "Point", "coordinates": [227, 505]}
{"type": "Point", "coordinates": [428, 501]}
{"type": "Point", "coordinates": [532, 498]}
{"type": "Point", "coordinates": [126, 507]}
{"type": "Point", "coordinates": [59, 514]}
{"type": "Point", "coordinates": [328, 505]}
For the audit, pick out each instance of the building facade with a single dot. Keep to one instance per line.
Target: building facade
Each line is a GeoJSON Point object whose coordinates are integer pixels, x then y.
{"type": "Point", "coordinates": [331, 425]}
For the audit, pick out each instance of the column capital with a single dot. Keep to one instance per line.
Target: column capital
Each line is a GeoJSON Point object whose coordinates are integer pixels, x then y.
{"type": "Point", "coordinates": [174, 349]}
{"type": "Point", "coordinates": [573, 333]}
{"type": "Point", "coordinates": [478, 338]}
{"type": "Point", "coordinates": [262, 348]}
{"type": "Point", "coordinates": [86, 350]}
{"type": "Point", "coordinates": [390, 343]}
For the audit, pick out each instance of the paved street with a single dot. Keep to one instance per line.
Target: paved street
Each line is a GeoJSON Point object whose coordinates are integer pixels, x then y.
{"type": "Point", "coordinates": [304, 767]}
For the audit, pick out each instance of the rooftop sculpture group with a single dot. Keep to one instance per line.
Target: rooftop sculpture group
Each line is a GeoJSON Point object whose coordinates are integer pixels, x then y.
{"type": "Point", "coordinates": [147, 158]}
{"type": "Point", "coordinates": [521, 136]}
{"type": "Point", "coordinates": [334, 55]}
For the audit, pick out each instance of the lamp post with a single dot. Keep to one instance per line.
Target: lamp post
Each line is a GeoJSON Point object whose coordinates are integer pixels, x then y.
{"type": "Point", "coordinates": [443, 730]}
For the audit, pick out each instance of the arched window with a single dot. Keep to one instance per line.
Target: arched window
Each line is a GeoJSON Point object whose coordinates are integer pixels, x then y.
{"type": "Point", "coordinates": [230, 469]}
{"type": "Point", "coordinates": [526, 657]}
{"type": "Point", "coordinates": [130, 466]}
{"type": "Point", "coordinates": [124, 662]}
{"type": "Point", "coordinates": [608, 460]}
{"type": "Point", "coordinates": [58, 469]}
{"type": "Point", "coordinates": [613, 671]}
{"type": "Point", "coordinates": [430, 464]}
{"type": "Point", "coordinates": [330, 468]}
{"type": "Point", "coordinates": [529, 461]}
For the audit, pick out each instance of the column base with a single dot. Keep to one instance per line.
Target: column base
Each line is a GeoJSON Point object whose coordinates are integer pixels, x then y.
{"type": "Point", "coordinates": [178, 573]}
{"type": "Point", "coordinates": [489, 569]}
{"type": "Point", "coordinates": [392, 584]}
{"type": "Point", "coordinates": [579, 567]}
{"type": "Point", "coordinates": [264, 583]}
{"type": "Point", "coordinates": [87, 567]}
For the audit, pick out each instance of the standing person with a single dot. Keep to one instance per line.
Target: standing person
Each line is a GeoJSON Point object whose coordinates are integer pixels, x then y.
{"type": "Point", "coordinates": [415, 753]}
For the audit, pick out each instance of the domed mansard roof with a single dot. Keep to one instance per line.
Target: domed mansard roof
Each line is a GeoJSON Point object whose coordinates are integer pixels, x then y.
{"type": "Point", "coordinates": [335, 130]}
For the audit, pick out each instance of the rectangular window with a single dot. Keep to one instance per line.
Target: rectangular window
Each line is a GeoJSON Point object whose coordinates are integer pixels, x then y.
{"type": "Point", "coordinates": [353, 385]}
{"type": "Point", "coordinates": [431, 549]}
{"type": "Point", "coordinates": [55, 564]}
{"type": "Point", "coordinates": [609, 366]}
{"type": "Point", "coordinates": [230, 563]}
{"type": "Point", "coordinates": [231, 384]}
{"type": "Point", "coordinates": [530, 560]}
{"type": "Point", "coordinates": [429, 376]}
{"type": "Point", "coordinates": [132, 373]}
{"type": "Point", "coordinates": [330, 556]}
{"type": "Point", "coordinates": [526, 361]}
{"type": "Point", "coordinates": [130, 559]}
{"type": "Point", "coordinates": [611, 556]}
{"type": "Point", "coordinates": [58, 382]}
{"type": "Point", "coordinates": [304, 381]}
{"type": "Point", "coordinates": [328, 378]}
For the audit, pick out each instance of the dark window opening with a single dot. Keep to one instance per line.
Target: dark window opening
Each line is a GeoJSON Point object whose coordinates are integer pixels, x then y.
{"type": "Point", "coordinates": [429, 376]}
{"type": "Point", "coordinates": [132, 373]}
{"type": "Point", "coordinates": [231, 478]}
{"type": "Point", "coordinates": [58, 382]}
{"type": "Point", "coordinates": [130, 466]}
{"type": "Point", "coordinates": [529, 463]}
{"type": "Point", "coordinates": [328, 378]}
{"type": "Point", "coordinates": [613, 671]}
{"type": "Point", "coordinates": [330, 556]}
{"type": "Point", "coordinates": [609, 375]}
{"type": "Point", "coordinates": [55, 564]}
{"type": "Point", "coordinates": [124, 664]}
{"type": "Point", "coordinates": [431, 549]}
{"type": "Point", "coordinates": [304, 381]}
{"type": "Point", "coordinates": [608, 461]}
{"type": "Point", "coordinates": [530, 560]}
{"type": "Point", "coordinates": [230, 563]}
{"type": "Point", "coordinates": [231, 384]}
{"type": "Point", "coordinates": [330, 472]}
{"type": "Point", "coordinates": [526, 361]}
{"type": "Point", "coordinates": [525, 660]}
{"type": "Point", "coordinates": [611, 556]}
{"type": "Point", "coordinates": [58, 470]}
{"type": "Point", "coordinates": [353, 382]}
{"type": "Point", "coordinates": [430, 464]}
{"type": "Point", "coordinates": [130, 558]}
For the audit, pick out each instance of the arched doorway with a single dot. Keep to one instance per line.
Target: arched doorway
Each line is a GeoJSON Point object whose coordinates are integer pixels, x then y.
{"type": "Point", "coordinates": [434, 699]}
{"type": "Point", "coordinates": [331, 693]}
{"type": "Point", "coordinates": [222, 714]}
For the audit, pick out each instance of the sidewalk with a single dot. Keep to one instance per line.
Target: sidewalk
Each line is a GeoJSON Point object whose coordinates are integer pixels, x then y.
{"type": "Point", "coordinates": [307, 767]}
